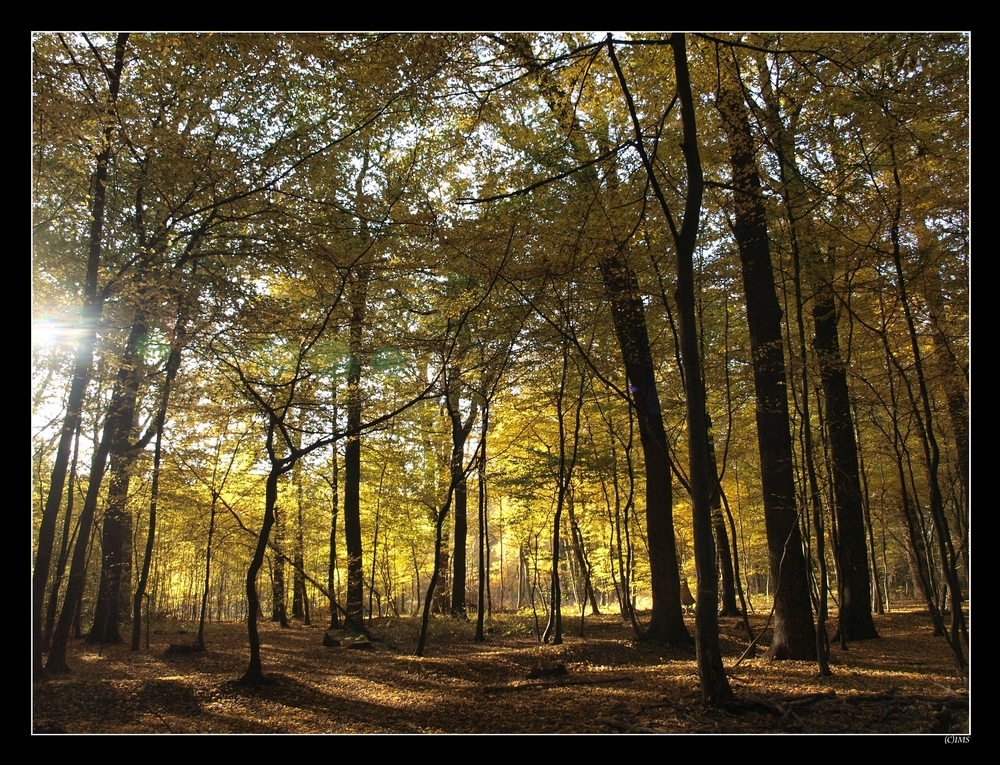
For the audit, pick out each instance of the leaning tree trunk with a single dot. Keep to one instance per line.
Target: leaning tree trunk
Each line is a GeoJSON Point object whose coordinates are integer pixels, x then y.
{"type": "Point", "coordinates": [118, 421]}
{"type": "Point", "coordinates": [82, 365]}
{"type": "Point", "coordinates": [173, 364]}
{"type": "Point", "coordinates": [64, 548]}
{"type": "Point", "coordinates": [629, 320]}
{"type": "Point", "coordinates": [714, 685]}
{"type": "Point", "coordinates": [254, 674]}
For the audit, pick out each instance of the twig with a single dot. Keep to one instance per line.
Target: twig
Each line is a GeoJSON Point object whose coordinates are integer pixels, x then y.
{"type": "Point", "coordinates": [556, 684]}
{"type": "Point", "coordinates": [628, 728]}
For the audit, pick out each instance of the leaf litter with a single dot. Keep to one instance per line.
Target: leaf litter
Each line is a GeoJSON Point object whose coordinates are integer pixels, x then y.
{"type": "Point", "coordinates": [605, 682]}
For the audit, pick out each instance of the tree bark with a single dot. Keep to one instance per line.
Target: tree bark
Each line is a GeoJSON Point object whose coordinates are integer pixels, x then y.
{"type": "Point", "coordinates": [855, 616]}
{"type": "Point", "coordinates": [278, 609]}
{"type": "Point", "coordinates": [484, 544]}
{"type": "Point", "coordinates": [794, 634]}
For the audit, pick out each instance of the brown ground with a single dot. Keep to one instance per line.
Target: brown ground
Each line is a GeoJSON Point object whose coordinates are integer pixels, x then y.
{"type": "Point", "coordinates": [903, 683]}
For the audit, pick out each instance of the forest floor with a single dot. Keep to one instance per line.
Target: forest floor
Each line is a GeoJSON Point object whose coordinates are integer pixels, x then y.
{"type": "Point", "coordinates": [607, 682]}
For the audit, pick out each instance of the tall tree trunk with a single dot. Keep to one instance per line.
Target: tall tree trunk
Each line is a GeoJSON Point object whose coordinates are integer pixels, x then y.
{"type": "Point", "coordinates": [850, 549]}
{"type": "Point", "coordinates": [714, 685]}
{"type": "Point", "coordinates": [808, 450]}
{"type": "Point", "coordinates": [93, 304]}
{"type": "Point", "coordinates": [459, 435]}
{"type": "Point", "coordinates": [200, 642]}
{"type": "Point", "coordinates": [794, 634]}
{"type": "Point", "coordinates": [855, 619]}
{"type": "Point", "coordinates": [352, 450]}
{"type": "Point", "coordinates": [579, 545]}
{"type": "Point", "coordinates": [629, 319]}
{"type": "Point", "coordinates": [553, 629]}
{"type": "Point", "coordinates": [442, 515]}
{"type": "Point", "coordinates": [299, 595]}
{"type": "Point", "coordinates": [331, 573]}
{"type": "Point", "coordinates": [726, 568]}
{"type": "Point", "coordinates": [484, 545]}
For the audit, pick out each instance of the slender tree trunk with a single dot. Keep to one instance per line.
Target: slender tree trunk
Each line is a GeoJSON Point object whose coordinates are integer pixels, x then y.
{"type": "Point", "coordinates": [714, 685]}
{"type": "Point", "coordinates": [484, 565]}
{"type": "Point", "coordinates": [850, 550]}
{"type": "Point", "coordinates": [878, 599]}
{"type": "Point", "coordinates": [932, 455]}
{"type": "Point", "coordinates": [579, 545]}
{"type": "Point", "coordinates": [438, 534]}
{"type": "Point", "coordinates": [200, 643]}
{"type": "Point", "coordinates": [917, 552]}
{"type": "Point", "coordinates": [147, 557]}
{"type": "Point", "coordinates": [553, 630]}
{"type": "Point", "coordinates": [254, 674]}
{"type": "Point", "coordinates": [64, 548]}
{"type": "Point", "coordinates": [729, 607]}
{"type": "Point", "coordinates": [808, 450]}
{"type": "Point", "coordinates": [459, 558]}
{"type": "Point", "coordinates": [352, 452]}
{"type": "Point", "coordinates": [331, 573]}
{"type": "Point", "coordinates": [173, 364]}
{"type": "Point", "coordinates": [299, 596]}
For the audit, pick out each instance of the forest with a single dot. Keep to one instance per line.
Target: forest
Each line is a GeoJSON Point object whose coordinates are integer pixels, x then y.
{"type": "Point", "coordinates": [405, 342]}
